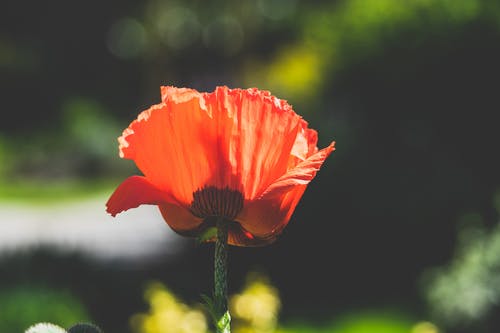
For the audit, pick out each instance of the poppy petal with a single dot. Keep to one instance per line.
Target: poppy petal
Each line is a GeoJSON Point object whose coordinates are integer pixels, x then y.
{"type": "Point", "coordinates": [266, 216]}
{"type": "Point", "coordinates": [301, 174]}
{"type": "Point", "coordinates": [165, 143]}
{"type": "Point", "coordinates": [304, 146]}
{"type": "Point", "coordinates": [132, 193]}
{"type": "Point", "coordinates": [224, 139]}
{"type": "Point", "coordinates": [238, 236]}
{"type": "Point", "coordinates": [181, 220]}
{"type": "Point", "coordinates": [260, 131]}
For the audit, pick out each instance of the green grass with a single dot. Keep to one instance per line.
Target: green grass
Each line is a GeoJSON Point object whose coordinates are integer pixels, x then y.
{"type": "Point", "coordinates": [43, 192]}
{"type": "Point", "coordinates": [362, 322]}
{"type": "Point", "coordinates": [22, 307]}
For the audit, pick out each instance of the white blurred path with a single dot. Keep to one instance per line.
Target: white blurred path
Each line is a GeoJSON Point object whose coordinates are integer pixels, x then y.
{"type": "Point", "coordinates": [135, 235]}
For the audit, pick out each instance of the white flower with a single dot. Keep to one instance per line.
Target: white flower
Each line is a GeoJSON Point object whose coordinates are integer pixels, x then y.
{"type": "Point", "coordinates": [45, 328]}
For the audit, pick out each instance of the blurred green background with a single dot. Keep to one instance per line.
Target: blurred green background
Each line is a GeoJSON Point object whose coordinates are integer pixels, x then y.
{"type": "Point", "coordinates": [398, 232]}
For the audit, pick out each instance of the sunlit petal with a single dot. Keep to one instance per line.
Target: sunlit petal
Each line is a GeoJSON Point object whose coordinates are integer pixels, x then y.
{"type": "Point", "coordinates": [132, 193]}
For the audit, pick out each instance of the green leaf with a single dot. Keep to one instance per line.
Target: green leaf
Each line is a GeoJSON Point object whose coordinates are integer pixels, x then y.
{"type": "Point", "coordinates": [210, 306]}
{"type": "Point", "coordinates": [224, 323]}
{"type": "Point", "coordinates": [221, 321]}
{"type": "Point", "coordinates": [208, 234]}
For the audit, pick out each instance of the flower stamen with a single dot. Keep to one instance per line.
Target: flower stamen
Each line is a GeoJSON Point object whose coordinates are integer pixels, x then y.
{"type": "Point", "coordinates": [212, 201]}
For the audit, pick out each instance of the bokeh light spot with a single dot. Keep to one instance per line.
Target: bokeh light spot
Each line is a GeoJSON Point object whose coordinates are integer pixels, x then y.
{"type": "Point", "coordinates": [127, 38]}
{"type": "Point", "coordinates": [178, 27]}
{"type": "Point", "coordinates": [277, 9]}
{"type": "Point", "coordinates": [425, 327]}
{"type": "Point", "coordinates": [224, 35]}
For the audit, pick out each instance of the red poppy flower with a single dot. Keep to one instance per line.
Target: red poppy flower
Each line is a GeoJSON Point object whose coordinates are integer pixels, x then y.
{"type": "Point", "coordinates": [243, 155]}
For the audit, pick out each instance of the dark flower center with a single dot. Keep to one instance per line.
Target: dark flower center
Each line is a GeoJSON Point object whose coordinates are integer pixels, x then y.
{"type": "Point", "coordinates": [212, 201]}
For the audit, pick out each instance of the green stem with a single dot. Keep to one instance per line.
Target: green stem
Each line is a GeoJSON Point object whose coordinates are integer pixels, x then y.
{"type": "Point", "coordinates": [220, 277]}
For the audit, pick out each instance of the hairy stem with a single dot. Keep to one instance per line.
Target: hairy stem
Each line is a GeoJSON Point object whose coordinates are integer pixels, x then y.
{"type": "Point", "coordinates": [220, 275]}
